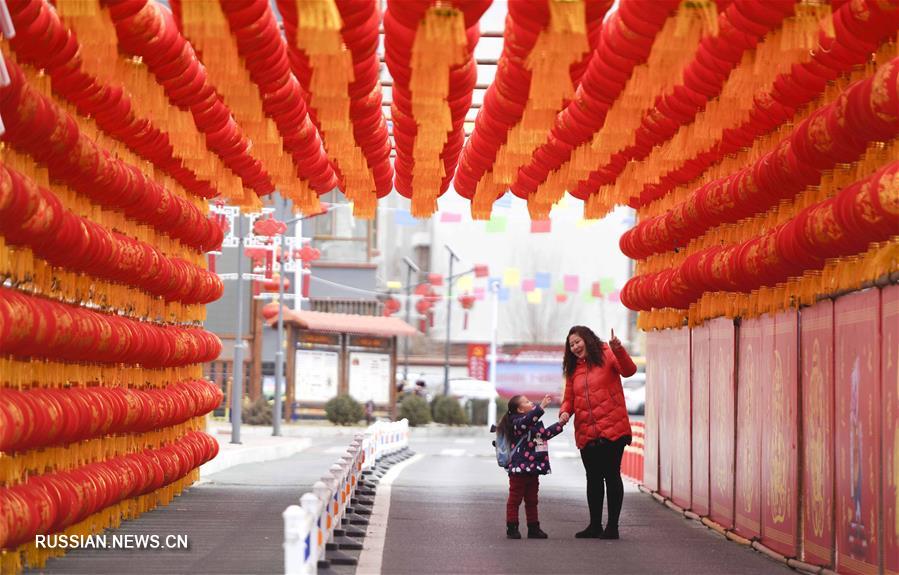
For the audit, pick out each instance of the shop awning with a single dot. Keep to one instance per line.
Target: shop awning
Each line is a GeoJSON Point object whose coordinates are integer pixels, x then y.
{"type": "Point", "coordinates": [346, 323]}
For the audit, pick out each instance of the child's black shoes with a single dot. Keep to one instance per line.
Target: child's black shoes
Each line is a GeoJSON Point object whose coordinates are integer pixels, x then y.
{"type": "Point", "coordinates": [534, 531]}
{"type": "Point", "coordinates": [512, 531]}
{"type": "Point", "coordinates": [609, 532]}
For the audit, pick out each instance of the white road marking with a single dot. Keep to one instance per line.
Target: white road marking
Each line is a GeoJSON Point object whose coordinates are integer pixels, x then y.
{"type": "Point", "coordinates": [467, 441]}
{"type": "Point", "coordinates": [372, 555]}
{"type": "Point", "coordinates": [452, 452]}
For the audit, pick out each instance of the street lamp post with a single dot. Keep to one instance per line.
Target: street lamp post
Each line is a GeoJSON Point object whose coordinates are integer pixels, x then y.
{"type": "Point", "coordinates": [494, 321]}
{"type": "Point", "coordinates": [277, 409]}
{"type": "Point", "coordinates": [410, 267]}
{"type": "Point", "coordinates": [449, 310]}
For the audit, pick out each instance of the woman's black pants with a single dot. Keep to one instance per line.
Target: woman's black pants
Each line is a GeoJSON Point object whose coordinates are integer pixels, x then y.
{"type": "Point", "coordinates": [602, 461]}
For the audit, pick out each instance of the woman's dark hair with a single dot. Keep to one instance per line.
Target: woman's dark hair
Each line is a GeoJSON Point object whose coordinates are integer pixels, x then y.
{"type": "Point", "coordinates": [506, 422]}
{"type": "Point", "coordinates": [593, 345]}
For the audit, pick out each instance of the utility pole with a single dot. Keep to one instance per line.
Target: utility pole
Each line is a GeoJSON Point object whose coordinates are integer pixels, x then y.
{"type": "Point", "coordinates": [410, 267]}
{"type": "Point", "coordinates": [449, 309]}
{"type": "Point", "coordinates": [277, 409]}
{"type": "Point", "coordinates": [237, 371]}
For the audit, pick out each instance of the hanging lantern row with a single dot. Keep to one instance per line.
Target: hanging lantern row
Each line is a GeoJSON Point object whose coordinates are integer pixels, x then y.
{"type": "Point", "coordinates": [833, 134]}
{"type": "Point", "coordinates": [50, 502]}
{"type": "Point", "coordinates": [429, 50]}
{"type": "Point", "coordinates": [148, 31]}
{"type": "Point", "coordinates": [741, 26]}
{"type": "Point", "coordinates": [264, 52]}
{"type": "Point", "coordinates": [859, 29]}
{"type": "Point", "coordinates": [38, 418]}
{"type": "Point", "coordinates": [625, 42]}
{"type": "Point", "coordinates": [34, 327]}
{"type": "Point", "coordinates": [37, 126]}
{"type": "Point", "coordinates": [546, 48]}
{"type": "Point", "coordinates": [34, 217]}
{"type": "Point", "coordinates": [44, 42]}
{"type": "Point", "coordinates": [842, 226]}
{"type": "Point", "coordinates": [333, 52]}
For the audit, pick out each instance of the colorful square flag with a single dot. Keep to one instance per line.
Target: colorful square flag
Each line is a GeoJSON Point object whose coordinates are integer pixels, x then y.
{"type": "Point", "coordinates": [527, 285]}
{"type": "Point", "coordinates": [496, 225]}
{"type": "Point", "coordinates": [435, 279]}
{"type": "Point", "coordinates": [479, 293]}
{"type": "Point", "coordinates": [404, 218]}
{"type": "Point", "coordinates": [503, 294]}
{"type": "Point", "coordinates": [541, 226]}
{"type": "Point", "coordinates": [607, 285]}
{"type": "Point", "coordinates": [587, 296]}
{"type": "Point", "coordinates": [511, 277]}
{"type": "Point", "coordinates": [450, 217]}
{"type": "Point", "coordinates": [394, 285]}
{"type": "Point", "coordinates": [561, 297]}
{"type": "Point", "coordinates": [615, 296]}
{"type": "Point", "coordinates": [572, 283]}
{"type": "Point", "coordinates": [465, 283]}
{"type": "Point", "coordinates": [535, 296]}
{"type": "Point", "coordinates": [481, 271]}
{"type": "Point", "coordinates": [595, 291]}
{"type": "Point", "coordinates": [542, 280]}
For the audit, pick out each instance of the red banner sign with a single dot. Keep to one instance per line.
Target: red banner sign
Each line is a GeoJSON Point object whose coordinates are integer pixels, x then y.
{"type": "Point", "coordinates": [780, 464]}
{"type": "Point", "coordinates": [681, 472]}
{"type": "Point", "coordinates": [890, 355]}
{"type": "Point", "coordinates": [857, 371]}
{"type": "Point", "coordinates": [478, 367]}
{"type": "Point", "coordinates": [654, 368]}
{"type": "Point", "coordinates": [752, 370]}
{"type": "Point", "coordinates": [817, 433]}
{"type": "Point", "coordinates": [700, 431]}
{"type": "Point", "coordinates": [722, 342]}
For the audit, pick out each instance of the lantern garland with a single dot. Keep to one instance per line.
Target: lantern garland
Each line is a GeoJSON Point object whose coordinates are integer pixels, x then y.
{"type": "Point", "coordinates": [429, 51]}
{"type": "Point", "coordinates": [836, 133]}
{"type": "Point", "coordinates": [65, 501]}
{"type": "Point", "coordinates": [333, 51]}
{"type": "Point", "coordinates": [625, 42]}
{"type": "Point", "coordinates": [546, 47]}
{"type": "Point", "coordinates": [712, 77]}
{"type": "Point", "coordinates": [864, 213]}
{"type": "Point", "coordinates": [856, 33]}
{"type": "Point", "coordinates": [38, 418]}
{"type": "Point", "coordinates": [233, 61]}
{"type": "Point", "coordinates": [148, 33]}
{"type": "Point", "coordinates": [113, 108]}
{"type": "Point", "coordinates": [33, 121]}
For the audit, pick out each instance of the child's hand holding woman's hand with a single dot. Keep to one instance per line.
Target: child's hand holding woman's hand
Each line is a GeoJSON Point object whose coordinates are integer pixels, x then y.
{"type": "Point", "coordinates": [545, 401]}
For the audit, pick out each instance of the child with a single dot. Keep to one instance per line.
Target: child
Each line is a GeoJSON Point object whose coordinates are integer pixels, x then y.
{"type": "Point", "coordinates": [530, 460]}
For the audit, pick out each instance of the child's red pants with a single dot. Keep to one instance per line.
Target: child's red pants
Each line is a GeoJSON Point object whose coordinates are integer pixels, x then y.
{"type": "Point", "coordinates": [523, 487]}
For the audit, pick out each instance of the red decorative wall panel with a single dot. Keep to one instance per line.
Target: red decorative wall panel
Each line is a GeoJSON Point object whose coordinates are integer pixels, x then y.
{"type": "Point", "coordinates": [699, 366]}
{"type": "Point", "coordinates": [722, 341]}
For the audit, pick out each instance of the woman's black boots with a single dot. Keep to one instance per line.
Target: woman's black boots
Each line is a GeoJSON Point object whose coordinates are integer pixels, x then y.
{"type": "Point", "coordinates": [610, 532]}
{"type": "Point", "coordinates": [590, 532]}
{"type": "Point", "coordinates": [512, 531]}
{"type": "Point", "coordinates": [534, 531]}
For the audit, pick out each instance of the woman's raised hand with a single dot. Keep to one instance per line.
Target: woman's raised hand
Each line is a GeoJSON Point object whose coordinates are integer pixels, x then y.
{"type": "Point", "coordinates": [614, 341]}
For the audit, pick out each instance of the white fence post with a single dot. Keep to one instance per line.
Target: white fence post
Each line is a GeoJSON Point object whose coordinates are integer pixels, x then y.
{"type": "Point", "coordinates": [296, 532]}
{"type": "Point", "coordinates": [312, 505]}
{"type": "Point", "coordinates": [325, 518]}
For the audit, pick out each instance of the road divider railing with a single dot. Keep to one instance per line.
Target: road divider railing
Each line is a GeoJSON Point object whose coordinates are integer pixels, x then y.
{"type": "Point", "coordinates": [328, 524]}
{"type": "Point", "coordinates": [632, 461]}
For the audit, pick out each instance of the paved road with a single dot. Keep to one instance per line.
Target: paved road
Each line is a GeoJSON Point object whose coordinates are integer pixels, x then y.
{"type": "Point", "coordinates": [233, 521]}
{"type": "Point", "coordinates": [447, 515]}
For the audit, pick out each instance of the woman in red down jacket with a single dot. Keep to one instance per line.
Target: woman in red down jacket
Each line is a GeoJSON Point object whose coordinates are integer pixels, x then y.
{"type": "Point", "coordinates": [593, 395]}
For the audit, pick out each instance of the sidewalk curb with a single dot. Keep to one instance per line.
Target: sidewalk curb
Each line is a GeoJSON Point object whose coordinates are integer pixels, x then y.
{"type": "Point", "coordinates": [731, 535]}
{"type": "Point", "coordinates": [240, 455]}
